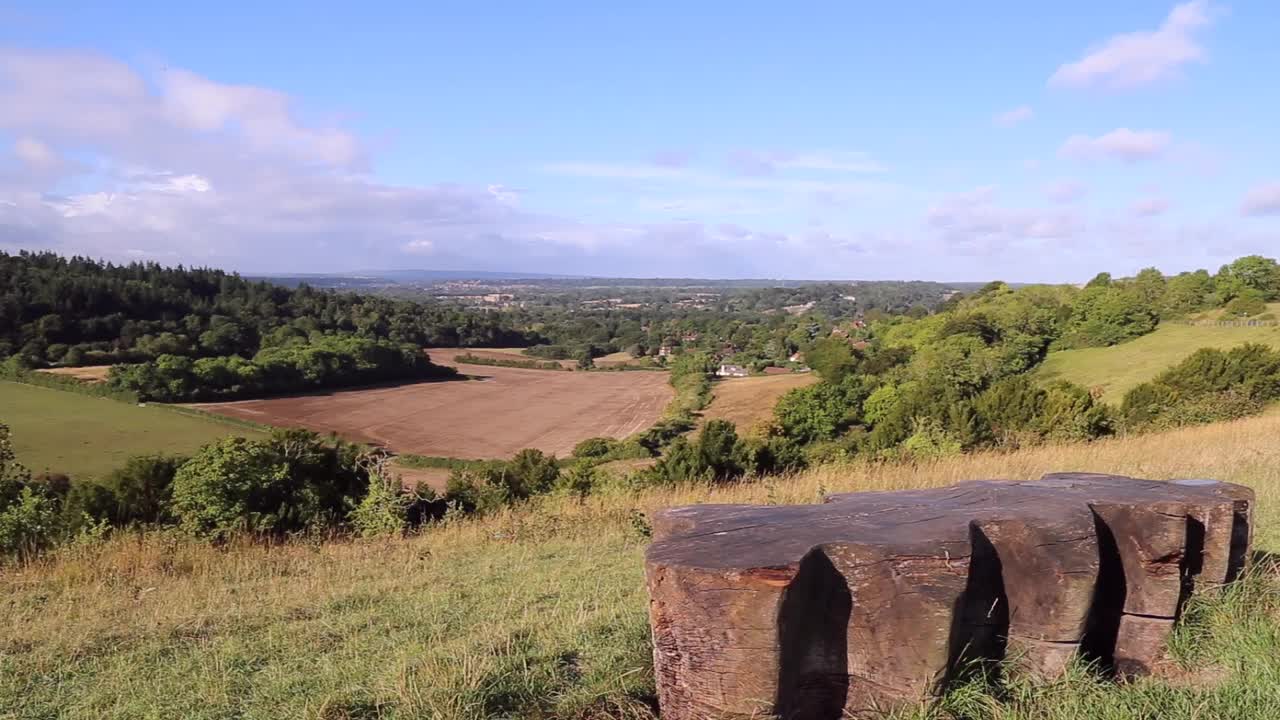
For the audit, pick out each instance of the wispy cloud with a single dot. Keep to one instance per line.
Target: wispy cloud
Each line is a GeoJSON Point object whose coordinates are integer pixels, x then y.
{"type": "Point", "coordinates": [1263, 199]}
{"type": "Point", "coordinates": [1065, 192]}
{"type": "Point", "coordinates": [1014, 117]}
{"type": "Point", "coordinates": [974, 221]}
{"type": "Point", "coordinates": [1120, 144]}
{"type": "Point", "coordinates": [1140, 58]}
{"type": "Point", "coordinates": [758, 162]}
{"type": "Point", "coordinates": [1150, 207]}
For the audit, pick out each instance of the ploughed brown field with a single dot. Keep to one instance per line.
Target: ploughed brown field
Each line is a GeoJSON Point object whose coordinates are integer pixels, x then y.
{"type": "Point", "coordinates": [500, 411]}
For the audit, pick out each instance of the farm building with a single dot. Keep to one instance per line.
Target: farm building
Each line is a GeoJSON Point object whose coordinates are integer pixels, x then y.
{"type": "Point", "coordinates": [728, 370]}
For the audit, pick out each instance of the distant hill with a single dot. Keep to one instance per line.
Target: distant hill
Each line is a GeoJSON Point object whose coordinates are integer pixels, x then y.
{"type": "Point", "coordinates": [1119, 368]}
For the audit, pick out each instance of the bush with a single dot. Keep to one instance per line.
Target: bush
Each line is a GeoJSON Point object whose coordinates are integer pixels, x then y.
{"type": "Point", "coordinates": [30, 524]}
{"type": "Point", "coordinates": [88, 504]}
{"type": "Point", "coordinates": [234, 484]}
{"type": "Point", "coordinates": [1208, 386]}
{"type": "Point", "coordinates": [384, 509]}
{"type": "Point", "coordinates": [596, 447]}
{"type": "Point", "coordinates": [1012, 405]}
{"type": "Point", "coordinates": [143, 489]}
{"type": "Point", "coordinates": [1071, 413]}
{"type": "Point", "coordinates": [1247, 304]}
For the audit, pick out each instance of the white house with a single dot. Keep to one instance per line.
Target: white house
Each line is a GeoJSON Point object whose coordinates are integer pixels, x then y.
{"type": "Point", "coordinates": [727, 370]}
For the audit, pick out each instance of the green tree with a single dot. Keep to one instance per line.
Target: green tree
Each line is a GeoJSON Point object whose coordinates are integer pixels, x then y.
{"type": "Point", "coordinates": [832, 358]}
{"type": "Point", "coordinates": [1253, 272]}
{"type": "Point", "coordinates": [233, 484]}
{"type": "Point", "coordinates": [719, 450]}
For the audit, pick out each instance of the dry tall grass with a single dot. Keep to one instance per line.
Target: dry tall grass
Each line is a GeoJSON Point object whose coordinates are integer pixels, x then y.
{"type": "Point", "coordinates": [539, 611]}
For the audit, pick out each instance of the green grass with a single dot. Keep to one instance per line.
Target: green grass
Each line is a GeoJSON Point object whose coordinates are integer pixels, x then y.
{"type": "Point", "coordinates": [86, 436]}
{"type": "Point", "coordinates": [540, 611]}
{"type": "Point", "coordinates": [1119, 368]}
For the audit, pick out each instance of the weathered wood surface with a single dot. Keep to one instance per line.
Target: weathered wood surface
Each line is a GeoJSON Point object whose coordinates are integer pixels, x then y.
{"type": "Point", "coordinates": [872, 600]}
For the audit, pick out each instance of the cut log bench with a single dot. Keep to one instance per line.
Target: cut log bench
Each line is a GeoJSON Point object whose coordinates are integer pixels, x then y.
{"type": "Point", "coordinates": [874, 600]}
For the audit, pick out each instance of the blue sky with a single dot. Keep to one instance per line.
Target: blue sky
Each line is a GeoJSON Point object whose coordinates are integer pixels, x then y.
{"type": "Point", "coordinates": [959, 141]}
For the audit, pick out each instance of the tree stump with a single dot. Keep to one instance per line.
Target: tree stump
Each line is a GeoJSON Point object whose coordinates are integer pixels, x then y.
{"type": "Point", "coordinates": [873, 600]}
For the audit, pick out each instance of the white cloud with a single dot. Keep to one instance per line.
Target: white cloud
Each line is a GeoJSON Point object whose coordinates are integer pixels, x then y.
{"type": "Point", "coordinates": [1120, 144]}
{"type": "Point", "coordinates": [974, 222]}
{"type": "Point", "coordinates": [1016, 116]}
{"type": "Point", "coordinates": [88, 99]}
{"type": "Point", "coordinates": [1141, 58]}
{"type": "Point", "coordinates": [1262, 200]}
{"type": "Point", "coordinates": [1150, 207]}
{"type": "Point", "coordinates": [1065, 192]}
{"type": "Point", "coordinates": [262, 116]}
{"type": "Point", "coordinates": [35, 154]}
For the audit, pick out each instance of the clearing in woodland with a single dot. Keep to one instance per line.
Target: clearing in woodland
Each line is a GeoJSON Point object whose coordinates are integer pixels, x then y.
{"type": "Point", "coordinates": [540, 611]}
{"type": "Point", "coordinates": [747, 402]}
{"type": "Point", "coordinates": [495, 414]}
{"type": "Point", "coordinates": [1117, 369]}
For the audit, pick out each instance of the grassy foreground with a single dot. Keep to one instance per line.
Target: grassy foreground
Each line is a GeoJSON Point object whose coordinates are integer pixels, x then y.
{"type": "Point", "coordinates": [1119, 368]}
{"type": "Point", "coordinates": [540, 611]}
{"type": "Point", "coordinates": [86, 436]}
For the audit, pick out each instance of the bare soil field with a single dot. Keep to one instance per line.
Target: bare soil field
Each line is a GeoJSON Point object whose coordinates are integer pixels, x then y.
{"type": "Point", "coordinates": [747, 402]}
{"type": "Point", "coordinates": [88, 373]}
{"type": "Point", "coordinates": [494, 415]}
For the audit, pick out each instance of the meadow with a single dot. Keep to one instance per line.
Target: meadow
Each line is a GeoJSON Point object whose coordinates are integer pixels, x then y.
{"type": "Point", "coordinates": [86, 436]}
{"type": "Point", "coordinates": [540, 611]}
{"type": "Point", "coordinates": [1119, 368]}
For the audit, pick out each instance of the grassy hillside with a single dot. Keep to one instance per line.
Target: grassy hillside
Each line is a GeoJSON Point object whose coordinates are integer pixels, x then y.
{"type": "Point", "coordinates": [1117, 369]}
{"type": "Point", "coordinates": [86, 436]}
{"type": "Point", "coordinates": [537, 612]}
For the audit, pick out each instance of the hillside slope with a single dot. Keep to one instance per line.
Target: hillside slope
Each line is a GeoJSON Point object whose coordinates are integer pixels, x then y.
{"type": "Point", "coordinates": [85, 436]}
{"type": "Point", "coordinates": [1118, 368]}
{"type": "Point", "coordinates": [536, 612]}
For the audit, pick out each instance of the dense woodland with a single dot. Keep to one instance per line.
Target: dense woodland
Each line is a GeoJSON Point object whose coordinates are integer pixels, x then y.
{"type": "Point", "coordinates": [196, 334]}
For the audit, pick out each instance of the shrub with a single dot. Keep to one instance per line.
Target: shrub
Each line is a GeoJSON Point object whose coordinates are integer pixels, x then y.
{"type": "Point", "coordinates": [384, 509]}
{"type": "Point", "coordinates": [596, 447]}
{"type": "Point", "coordinates": [88, 504]}
{"type": "Point", "coordinates": [143, 489]}
{"type": "Point", "coordinates": [718, 450]}
{"type": "Point", "coordinates": [929, 441]}
{"type": "Point", "coordinates": [1071, 413]}
{"type": "Point", "coordinates": [579, 481]}
{"type": "Point", "coordinates": [30, 524]}
{"type": "Point", "coordinates": [531, 472]}
{"type": "Point", "coordinates": [1209, 385]}
{"type": "Point", "coordinates": [1247, 304]}
{"type": "Point", "coordinates": [234, 484]}
{"type": "Point", "coordinates": [1012, 405]}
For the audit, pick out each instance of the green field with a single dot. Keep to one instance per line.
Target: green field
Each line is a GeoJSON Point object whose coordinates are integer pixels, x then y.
{"type": "Point", "coordinates": [1118, 368]}
{"type": "Point", "coordinates": [86, 436]}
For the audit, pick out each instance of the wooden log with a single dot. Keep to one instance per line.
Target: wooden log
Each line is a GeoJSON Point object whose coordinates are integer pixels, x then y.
{"type": "Point", "coordinates": [870, 601]}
